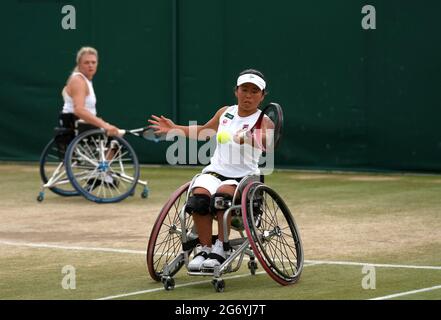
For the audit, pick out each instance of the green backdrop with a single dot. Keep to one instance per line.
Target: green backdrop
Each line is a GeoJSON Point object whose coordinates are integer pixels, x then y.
{"type": "Point", "coordinates": [353, 98]}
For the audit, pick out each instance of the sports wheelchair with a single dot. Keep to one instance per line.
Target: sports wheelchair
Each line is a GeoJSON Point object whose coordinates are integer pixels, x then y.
{"type": "Point", "coordinates": [83, 160]}
{"type": "Point", "coordinates": [265, 230]}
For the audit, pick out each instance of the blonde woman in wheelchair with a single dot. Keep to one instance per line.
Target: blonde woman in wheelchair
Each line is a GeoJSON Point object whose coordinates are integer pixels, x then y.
{"type": "Point", "coordinates": [79, 109]}
{"type": "Point", "coordinates": [221, 177]}
{"type": "Point", "coordinates": [87, 155]}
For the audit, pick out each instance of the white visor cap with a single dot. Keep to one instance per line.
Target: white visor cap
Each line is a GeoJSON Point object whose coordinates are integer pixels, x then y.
{"type": "Point", "coordinates": [251, 78]}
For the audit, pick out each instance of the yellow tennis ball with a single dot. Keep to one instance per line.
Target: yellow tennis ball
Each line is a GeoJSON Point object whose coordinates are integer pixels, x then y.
{"type": "Point", "coordinates": [223, 137]}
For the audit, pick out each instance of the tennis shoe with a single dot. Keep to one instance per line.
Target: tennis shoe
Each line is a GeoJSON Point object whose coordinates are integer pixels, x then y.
{"type": "Point", "coordinates": [196, 263]}
{"type": "Point", "coordinates": [216, 257]}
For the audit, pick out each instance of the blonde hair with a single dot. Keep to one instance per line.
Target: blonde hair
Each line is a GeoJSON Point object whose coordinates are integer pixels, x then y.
{"type": "Point", "coordinates": [82, 52]}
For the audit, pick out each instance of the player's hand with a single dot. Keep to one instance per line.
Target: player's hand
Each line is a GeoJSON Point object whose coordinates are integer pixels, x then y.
{"type": "Point", "coordinates": [161, 125]}
{"type": "Point", "coordinates": [241, 136]}
{"type": "Point", "coordinates": [112, 130]}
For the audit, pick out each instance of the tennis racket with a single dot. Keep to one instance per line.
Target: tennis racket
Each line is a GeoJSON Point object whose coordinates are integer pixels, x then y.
{"type": "Point", "coordinates": [267, 131]}
{"type": "Point", "coordinates": [145, 133]}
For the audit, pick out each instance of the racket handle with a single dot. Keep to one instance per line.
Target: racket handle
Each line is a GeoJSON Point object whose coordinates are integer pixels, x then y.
{"type": "Point", "coordinates": [121, 132]}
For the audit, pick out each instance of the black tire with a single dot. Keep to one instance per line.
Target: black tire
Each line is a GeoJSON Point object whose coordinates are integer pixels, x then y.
{"type": "Point", "coordinates": [272, 233]}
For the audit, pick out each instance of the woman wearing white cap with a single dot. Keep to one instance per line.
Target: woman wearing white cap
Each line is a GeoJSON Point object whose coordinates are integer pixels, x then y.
{"type": "Point", "coordinates": [228, 164]}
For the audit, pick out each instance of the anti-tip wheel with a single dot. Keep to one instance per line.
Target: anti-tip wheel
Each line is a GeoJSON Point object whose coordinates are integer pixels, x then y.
{"type": "Point", "coordinates": [40, 197]}
{"type": "Point", "coordinates": [169, 283]}
{"type": "Point", "coordinates": [219, 285]}
{"type": "Point", "coordinates": [252, 265]}
{"type": "Point", "coordinates": [145, 193]}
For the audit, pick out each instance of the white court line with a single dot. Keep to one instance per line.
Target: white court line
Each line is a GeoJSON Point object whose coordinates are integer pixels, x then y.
{"type": "Point", "coordinates": [307, 263]}
{"type": "Point", "coordinates": [391, 296]}
{"type": "Point", "coordinates": [177, 286]}
{"type": "Point", "coordinates": [379, 265]}
{"type": "Point", "coordinates": [311, 262]}
{"type": "Point", "coordinates": [181, 285]}
{"type": "Point", "coordinates": [55, 246]}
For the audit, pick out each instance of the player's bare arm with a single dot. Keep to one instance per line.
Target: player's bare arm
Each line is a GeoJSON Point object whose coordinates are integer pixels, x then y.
{"type": "Point", "coordinates": [77, 89]}
{"type": "Point", "coordinates": [163, 125]}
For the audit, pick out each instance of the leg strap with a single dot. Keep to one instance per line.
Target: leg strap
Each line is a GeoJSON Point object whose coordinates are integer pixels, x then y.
{"type": "Point", "coordinates": [202, 253]}
{"type": "Point", "coordinates": [217, 257]}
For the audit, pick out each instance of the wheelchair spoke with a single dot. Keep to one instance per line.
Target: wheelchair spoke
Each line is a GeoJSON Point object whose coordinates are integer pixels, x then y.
{"type": "Point", "coordinates": [82, 156]}
{"type": "Point", "coordinates": [86, 149]}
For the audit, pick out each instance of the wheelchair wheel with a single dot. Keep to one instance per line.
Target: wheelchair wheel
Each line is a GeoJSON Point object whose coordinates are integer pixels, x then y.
{"type": "Point", "coordinates": [165, 241]}
{"type": "Point", "coordinates": [272, 233]}
{"type": "Point", "coordinates": [102, 169]}
{"type": "Point", "coordinates": [51, 160]}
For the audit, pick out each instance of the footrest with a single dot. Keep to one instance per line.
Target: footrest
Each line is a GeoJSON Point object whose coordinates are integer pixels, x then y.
{"type": "Point", "coordinates": [200, 273]}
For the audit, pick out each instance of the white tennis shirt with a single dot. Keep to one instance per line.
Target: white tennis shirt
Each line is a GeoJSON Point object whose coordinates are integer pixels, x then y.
{"type": "Point", "coordinates": [232, 159]}
{"type": "Point", "coordinates": [90, 102]}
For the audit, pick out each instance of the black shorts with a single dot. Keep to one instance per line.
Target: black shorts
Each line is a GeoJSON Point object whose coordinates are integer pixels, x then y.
{"type": "Point", "coordinates": [69, 127]}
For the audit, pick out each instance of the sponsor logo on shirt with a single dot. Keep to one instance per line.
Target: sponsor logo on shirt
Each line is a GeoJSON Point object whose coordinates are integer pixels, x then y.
{"type": "Point", "coordinates": [229, 116]}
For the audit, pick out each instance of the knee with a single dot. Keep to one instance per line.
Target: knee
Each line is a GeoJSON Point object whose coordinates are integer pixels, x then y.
{"type": "Point", "coordinates": [198, 204]}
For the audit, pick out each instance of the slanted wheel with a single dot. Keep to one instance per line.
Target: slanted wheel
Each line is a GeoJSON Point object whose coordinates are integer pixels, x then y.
{"type": "Point", "coordinates": [52, 166]}
{"type": "Point", "coordinates": [102, 169]}
{"type": "Point", "coordinates": [272, 233]}
{"type": "Point", "coordinates": [165, 238]}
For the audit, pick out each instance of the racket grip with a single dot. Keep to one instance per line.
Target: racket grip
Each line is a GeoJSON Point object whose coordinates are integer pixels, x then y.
{"type": "Point", "coordinates": [121, 132]}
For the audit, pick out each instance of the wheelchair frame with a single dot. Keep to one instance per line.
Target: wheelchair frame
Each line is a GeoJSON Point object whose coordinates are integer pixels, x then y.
{"type": "Point", "coordinates": [239, 247]}
{"type": "Point", "coordinates": [91, 162]}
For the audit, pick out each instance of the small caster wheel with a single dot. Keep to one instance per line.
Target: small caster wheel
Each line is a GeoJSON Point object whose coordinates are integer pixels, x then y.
{"type": "Point", "coordinates": [40, 197]}
{"type": "Point", "coordinates": [145, 193]}
{"type": "Point", "coordinates": [252, 265]}
{"type": "Point", "coordinates": [219, 285]}
{"type": "Point", "coordinates": [169, 283]}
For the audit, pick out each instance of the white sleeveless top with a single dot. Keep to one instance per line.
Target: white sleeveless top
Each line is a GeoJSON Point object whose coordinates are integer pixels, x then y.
{"type": "Point", "coordinates": [90, 101]}
{"type": "Point", "coordinates": [232, 159]}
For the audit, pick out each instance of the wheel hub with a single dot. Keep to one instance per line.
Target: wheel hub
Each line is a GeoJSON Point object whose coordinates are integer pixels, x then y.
{"type": "Point", "coordinates": [103, 166]}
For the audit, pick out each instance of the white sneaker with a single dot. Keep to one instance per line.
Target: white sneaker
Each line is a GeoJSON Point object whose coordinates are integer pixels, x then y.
{"type": "Point", "coordinates": [216, 257]}
{"type": "Point", "coordinates": [196, 263]}
{"type": "Point", "coordinates": [108, 179]}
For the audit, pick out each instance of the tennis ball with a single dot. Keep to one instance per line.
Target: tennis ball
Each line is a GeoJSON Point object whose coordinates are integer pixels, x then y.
{"type": "Point", "coordinates": [223, 137]}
